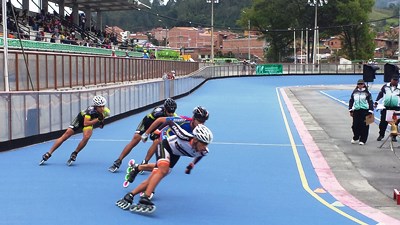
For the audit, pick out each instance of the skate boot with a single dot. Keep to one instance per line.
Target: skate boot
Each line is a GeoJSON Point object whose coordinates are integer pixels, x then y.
{"type": "Point", "coordinates": [115, 166]}
{"type": "Point", "coordinates": [144, 162]}
{"type": "Point", "coordinates": [125, 202]}
{"type": "Point", "coordinates": [131, 173]}
{"type": "Point", "coordinates": [145, 205]}
{"type": "Point", "coordinates": [150, 197]}
{"type": "Point", "coordinates": [45, 157]}
{"type": "Point", "coordinates": [72, 158]}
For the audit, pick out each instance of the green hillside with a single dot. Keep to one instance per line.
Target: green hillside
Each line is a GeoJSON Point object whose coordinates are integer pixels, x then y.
{"type": "Point", "coordinates": [381, 14]}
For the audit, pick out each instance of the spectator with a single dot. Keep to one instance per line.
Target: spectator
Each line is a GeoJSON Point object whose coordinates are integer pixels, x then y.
{"type": "Point", "coordinates": [253, 66]}
{"type": "Point", "coordinates": [244, 68]}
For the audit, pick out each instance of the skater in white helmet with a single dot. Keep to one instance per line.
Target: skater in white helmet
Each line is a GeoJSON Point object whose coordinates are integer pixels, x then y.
{"type": "Point", "coordinates": [161, 131]}
{"type": "Point", "coordinates": [169, 151]}
{"type": "Point", "coordinates": [85, 120]}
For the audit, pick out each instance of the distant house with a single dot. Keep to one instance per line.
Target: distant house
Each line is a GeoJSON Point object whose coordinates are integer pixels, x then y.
{"type": "Point", "coordinates": [333, 43]}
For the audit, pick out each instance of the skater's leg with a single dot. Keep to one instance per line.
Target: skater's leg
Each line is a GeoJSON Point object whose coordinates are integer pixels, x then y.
{"type": "Point", "coordinates": [147, 167]}
{"type": "Point", "coordinates": [87, 133]}
{"type": "Point", "coordinates": [67, 134]}
{"type": "Point", "coordinates": [157, 175]}
{"type": "Point", "coordinates": [128, 148]}
{"type": "Point", "coordinates": [141, 187]}
{"type": "Point", "coordinates": [152, 150]}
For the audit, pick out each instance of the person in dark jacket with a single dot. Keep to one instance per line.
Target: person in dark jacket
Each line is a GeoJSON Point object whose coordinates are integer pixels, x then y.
{"type": "Point", "coordinates": [360, 105]}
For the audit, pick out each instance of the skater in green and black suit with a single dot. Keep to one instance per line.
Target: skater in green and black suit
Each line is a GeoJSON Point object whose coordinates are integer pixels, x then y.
{"type": "Point", "coordinates": [167, 110]}
{"type": "Point", "coordinates": [85, 120]}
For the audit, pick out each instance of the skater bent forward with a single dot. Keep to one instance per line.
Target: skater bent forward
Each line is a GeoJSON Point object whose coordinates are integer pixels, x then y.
{"type": "Point", "coordinates": [84, 120]}
{"type": "Point", "coordinates": [168, 154]}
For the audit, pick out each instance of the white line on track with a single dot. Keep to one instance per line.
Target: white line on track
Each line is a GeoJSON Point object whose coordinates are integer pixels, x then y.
{"type": "Point", "coordinates": [214, 143]}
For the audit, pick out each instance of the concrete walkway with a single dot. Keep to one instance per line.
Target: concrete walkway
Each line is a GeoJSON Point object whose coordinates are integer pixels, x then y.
{"type": "Point", "coordinates": [367, 172]}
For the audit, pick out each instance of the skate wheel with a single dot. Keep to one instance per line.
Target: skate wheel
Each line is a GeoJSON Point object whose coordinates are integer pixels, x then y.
{"type": "Point", "coordinates": [151, 209]}
{"type": "Point", "coordinates": [125, 184]}
{"type": "Point", "coordinates": [129, 169]}
{"type": "Point", "coordinates": [131, 162]}
{"type": "Point", "coordinates": [135, 208]}
{"type": "Point", "coordinates": [69, 163]}
{"type": "Point", "coordinates": [41, 162]}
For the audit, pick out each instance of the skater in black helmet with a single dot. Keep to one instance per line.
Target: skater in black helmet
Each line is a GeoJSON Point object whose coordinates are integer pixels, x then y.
{"type": "Point", "coordinates": [161, 131]}
{"type": "Point", "coordinates": [85, 120]}
{"type": "Point", "coordinates": [169, 151]}
{"type": "Point", "coordinates": [168, 109]}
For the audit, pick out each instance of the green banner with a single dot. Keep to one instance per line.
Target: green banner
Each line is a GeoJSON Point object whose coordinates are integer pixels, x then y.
{"type": "Point", "coordinates": [269, 69]}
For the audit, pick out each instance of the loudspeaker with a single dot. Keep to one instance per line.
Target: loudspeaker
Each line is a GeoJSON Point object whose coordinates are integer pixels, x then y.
{"type": "Point", "coordinates": [390, 70]}
{"type": "Point", "coordinates": [369, 72]}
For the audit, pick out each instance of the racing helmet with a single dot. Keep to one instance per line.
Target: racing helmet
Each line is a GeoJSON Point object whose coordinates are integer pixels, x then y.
{"type": "Point", "coordinates": [200, 113]}
{"type": "Point", "coordinates": [203, 134]}
{"type": "Point", "coordinates": [170, 105]}
{"type": "Point", "coordinates": [99, 100]}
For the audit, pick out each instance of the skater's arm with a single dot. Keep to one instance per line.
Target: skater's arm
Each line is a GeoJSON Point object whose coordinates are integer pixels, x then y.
{"type": "Point", "coordinates": [162, 122]}
{"type": "Point", "coordinates": [191, 165]}
{"type": "Point", "coordinates": [88, 122]}
{"type": "Point", "coordinates": [156, 124]}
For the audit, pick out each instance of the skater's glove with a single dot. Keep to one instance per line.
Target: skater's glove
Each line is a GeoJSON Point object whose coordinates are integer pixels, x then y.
{"type": "Point", "coordinates": [189, 168]}
{"type": "Point", "coordinates": [155, 135]}
{"type": "Point", "coordinates": [145, 137]}
{"type": "Point", "coordinates": [100, 117]}
{"type": "Point", "coordinates": [101, 124]}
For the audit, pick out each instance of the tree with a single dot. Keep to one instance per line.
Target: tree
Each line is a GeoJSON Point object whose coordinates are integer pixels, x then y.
{"type": "Point", "coordinates": [358, 39]}
{"type": "Point", "coordinates": [273, 18]}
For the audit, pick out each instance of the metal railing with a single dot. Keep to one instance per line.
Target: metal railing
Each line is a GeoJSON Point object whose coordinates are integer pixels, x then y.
{"type": "Point", "coordinates": [55, 71]}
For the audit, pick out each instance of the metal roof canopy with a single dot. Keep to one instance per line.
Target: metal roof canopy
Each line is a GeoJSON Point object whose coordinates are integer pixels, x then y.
{"type": "Point", "coordinates": [105, 5]}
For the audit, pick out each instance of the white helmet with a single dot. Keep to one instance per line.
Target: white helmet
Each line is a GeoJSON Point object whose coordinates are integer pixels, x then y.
{"type": "Point", "coordinates": [203, 134]}
{"type": "Point", "coordinates": [99, 100]}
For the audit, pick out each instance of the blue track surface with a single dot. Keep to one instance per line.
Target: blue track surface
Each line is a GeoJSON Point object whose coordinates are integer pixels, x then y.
{"type": "Point", "coordinates": [249, 177]}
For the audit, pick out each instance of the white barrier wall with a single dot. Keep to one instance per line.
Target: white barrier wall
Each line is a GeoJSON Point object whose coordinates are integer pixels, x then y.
{"type": "Point", "coordinates": [24, 114]}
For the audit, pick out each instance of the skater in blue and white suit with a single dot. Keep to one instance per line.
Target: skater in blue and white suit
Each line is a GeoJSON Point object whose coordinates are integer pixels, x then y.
{"type": "Point", "coordinates": [182, 143]}
{"type": "Point", "coordinates": [161, 131]}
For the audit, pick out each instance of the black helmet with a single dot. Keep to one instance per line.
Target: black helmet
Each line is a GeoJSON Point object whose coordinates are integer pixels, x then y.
{"type": "Point", "coordinates": [170, 105]}
{"type": "Point", "coordinates": [200, 113]}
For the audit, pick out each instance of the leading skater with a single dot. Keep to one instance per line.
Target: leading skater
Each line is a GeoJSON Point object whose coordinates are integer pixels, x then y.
{"type": "Point", "coordinates": [168, 154]}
